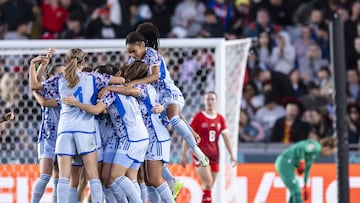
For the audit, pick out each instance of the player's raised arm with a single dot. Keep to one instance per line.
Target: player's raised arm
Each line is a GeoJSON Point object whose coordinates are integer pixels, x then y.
{"type": "Point", "coordinates": [42, 67]}
{"type": "Point", "coordinates": [35, 84]}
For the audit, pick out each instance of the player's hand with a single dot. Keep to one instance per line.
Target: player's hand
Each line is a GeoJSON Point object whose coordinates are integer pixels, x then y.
{"type": "Point", "coordinates": [305, 193]}
{"type": "Point", "coordinates": [301, 167]}
{"type": "Point", "coordinates": [123, 81]}
{"type": "Point", "coordinates": [233, 161]}
{"type": "Point", "coordinates": [45, 61]}
{"type": "Point", "coordinates": [37, 59]}
{"type": "Point", "coordinates": [183, 161]}
{"type": "Point", "coordinates": [196, 137]}
{"type": "Point", "coordinates": [157, 108]}
{"type": "Point", "coordinates": [102, 92]}
{"type": "Point", "coordinates": [50, 52]}
{"type": "Point", "coordinates": [9, 116]}
{"type": "Point", "coordinates": [70, 100]}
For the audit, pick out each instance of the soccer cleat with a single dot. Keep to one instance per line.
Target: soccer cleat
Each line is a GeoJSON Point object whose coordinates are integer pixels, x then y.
{"type": "Point", "coordinates": [177, 188]}
{"type": "Point", "coordinates": [201, 157]}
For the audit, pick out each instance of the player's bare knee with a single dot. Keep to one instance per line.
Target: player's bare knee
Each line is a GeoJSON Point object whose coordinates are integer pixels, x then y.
{"type": "Point", "coordinates": [207, 184]}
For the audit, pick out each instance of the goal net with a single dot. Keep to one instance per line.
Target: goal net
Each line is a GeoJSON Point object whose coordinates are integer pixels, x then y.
{"type": "Point", "coordinates": [196, 65]}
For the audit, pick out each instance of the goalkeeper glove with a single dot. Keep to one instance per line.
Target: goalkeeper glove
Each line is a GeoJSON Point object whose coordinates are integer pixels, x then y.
{"type": "Point", "coordinates": [305, 193]}
{"type": "Point", "coordinates": [301, 167]}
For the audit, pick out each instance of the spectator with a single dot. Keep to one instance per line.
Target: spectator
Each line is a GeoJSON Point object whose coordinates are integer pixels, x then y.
{"type": "Point", "coordinates": [53, 18]}
{"type": "Point", "coordinates": [241, 20]}
{"type": "Point", "coordinates": [188, 18]}
{"type": "Point", "coordinates": [316, 17]}
{"type": "Point", "coordinates": [120, 15]}
{"type": "Point", "coordinates": [279, 12]}
{"type": "Point", "coordinates": [350, 27]}
{"type": "Point", "coordinates": [10, 89]}
{"type": "Point", "coordinates": [211, 27]}
{"type": "Point", "coordinates": [189, 68]}
{"type": "Point", "coordinates": [73, 6]}
{"type": "Point", "coordinates": [352, 86]}
{"type": "Point", "coordinates": [162, 11]}
{"type": "Point", "coordinates": [353, 111]}
{"type": "Point", "coordinates": [100, 26]}
{"type": "Point", "coordinates": [302, 45]}
{"type": "Point", "coordinates": [23, 30]}
{"type": "Point", "coordinates": [355, 55]}
{"type": "Point", "coordinates": [261, 24]}
{"type": "Point", "coordinates": [343, 14]}
{"type": "Point", "coordinates": [290, 128]}
{"type": "Point", "coordinates": [252, 100]}
{"type": "Point", "coordinates": [93, 4]}
{"type": "Point", "coordinates": [269, 113]}
{"type": "Point", "coordinates": [319, 120]}
{"type": "Point", "coordinates": [13, 10]}
{"type": "Point", "coordinates": [283, 56]}
{"type": "Point", "coordinates": [280, 83]}
{"type": "Point", "coordinates": [325, 81]}
{"type": "Point", "coordinates": [298, 84]}
{"type": "Point", "coordinates": [249, 130]}
{"type": "Point", "coordinates": [74, 29]}
{"type": "Point", "coordinates": [264, 48]}
{"type": "Point", "coordinates": [302, 11]}
{"type": "Point", "coordinates": [313, 100]}
{"type": "Point", "coordinates": [224, 12]}
{"type": "Point", "coordinates": [311, 64]}
{"type": "Point", "coordinates": [322, 40]}
{"type": "Point", "coordinates": [139, 13]}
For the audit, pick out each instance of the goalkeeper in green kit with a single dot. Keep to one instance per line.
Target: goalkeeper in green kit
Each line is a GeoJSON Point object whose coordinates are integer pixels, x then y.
{"type": "Point", "coordinates": [301, 156]}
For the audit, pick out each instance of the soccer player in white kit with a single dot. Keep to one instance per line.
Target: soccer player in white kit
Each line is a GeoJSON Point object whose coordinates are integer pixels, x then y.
{"type": "Point", "coordinates": [47, 135]}
{"type": "Point", "coordinates": [76, 128]}
{"type": "Point", "coordinates": [133, 140]}
{"type": "Point", "coordinates": [142, 45]}
{"type": "Point", "coordinates": [158, 151]}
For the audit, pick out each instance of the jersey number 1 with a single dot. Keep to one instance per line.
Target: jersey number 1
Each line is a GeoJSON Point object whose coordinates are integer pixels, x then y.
{"type": "Point", "coordinates": [78, 94]}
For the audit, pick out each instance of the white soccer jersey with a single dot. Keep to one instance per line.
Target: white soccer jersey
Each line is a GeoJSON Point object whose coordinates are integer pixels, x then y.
{"type": "Point", "coordinates": [165, 87]}
{"type": "Point", "coordinates": [73, 119]}
{"type": "Point", "coordinates": [126, 116]}
{"type": "Point", "coordinates": [153, 122]}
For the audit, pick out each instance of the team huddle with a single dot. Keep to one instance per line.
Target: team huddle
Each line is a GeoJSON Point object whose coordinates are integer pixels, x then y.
{"type": "Point", "coordinates": [110, 127]}
{"type": "Point", "coordinates": [109, 121]}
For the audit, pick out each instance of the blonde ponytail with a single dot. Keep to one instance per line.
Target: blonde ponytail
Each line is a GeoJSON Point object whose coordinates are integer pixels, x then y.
{"type": "Point", "coordinates": [74, 58]}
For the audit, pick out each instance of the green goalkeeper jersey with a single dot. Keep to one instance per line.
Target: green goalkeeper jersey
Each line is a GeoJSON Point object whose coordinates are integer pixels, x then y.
{"type": "Point", "coordinates": [307, 150]}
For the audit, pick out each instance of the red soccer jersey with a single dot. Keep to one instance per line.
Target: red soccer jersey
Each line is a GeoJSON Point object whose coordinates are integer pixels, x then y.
{"type": "Point", "coordinates": [209, 128]}
{"type": "Point", "coordinates": [53, 19]}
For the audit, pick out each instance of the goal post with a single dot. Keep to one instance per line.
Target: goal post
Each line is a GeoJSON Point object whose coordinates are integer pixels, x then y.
{"type": "Point", "coordinates": [229, 77]}
{"type": "Point", "coordinates": [196, 65]}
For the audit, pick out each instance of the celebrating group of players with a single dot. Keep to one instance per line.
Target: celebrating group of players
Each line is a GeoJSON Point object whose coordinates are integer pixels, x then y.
{"type": "Point", "coordinates": [115, 117]}
{"type": "Point", "coordinates": [110, 127]}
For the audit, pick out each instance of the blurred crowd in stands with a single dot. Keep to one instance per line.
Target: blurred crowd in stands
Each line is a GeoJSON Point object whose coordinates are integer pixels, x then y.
{"type": "Point", "coordinates": [288, 85]}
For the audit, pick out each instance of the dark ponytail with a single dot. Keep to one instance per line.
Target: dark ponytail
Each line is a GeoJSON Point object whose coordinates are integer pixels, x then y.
{"type": "Point", "coordinates": [150, 33]}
